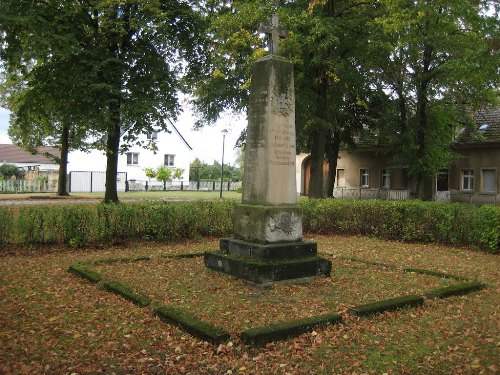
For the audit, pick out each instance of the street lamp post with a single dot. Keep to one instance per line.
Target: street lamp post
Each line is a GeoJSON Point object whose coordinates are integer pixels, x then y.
{"type": "Point", "coordinates": [224, 132]}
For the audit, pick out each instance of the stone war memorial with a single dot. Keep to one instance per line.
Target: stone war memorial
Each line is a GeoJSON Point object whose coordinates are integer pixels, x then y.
{"type": "Point", "coordinates": [267, 245]}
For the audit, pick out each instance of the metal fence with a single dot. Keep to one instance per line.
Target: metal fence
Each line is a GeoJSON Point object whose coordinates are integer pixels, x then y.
{"type": "Point", "coordinates": [364, 193]}
{"type": "Point", "coordinates": [140, 185]}
{"type": "Point", "coordinates": [23, 186]}
{"type": "Point", "coordinates": [91, 182]}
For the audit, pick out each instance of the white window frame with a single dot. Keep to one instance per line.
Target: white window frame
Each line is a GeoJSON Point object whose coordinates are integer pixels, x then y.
{"type": "Point", "coordinates": [494, 170]}
{"type": "Point", "coordinates": [132, 158]}
{"type": "Point", "coordinates": [385, 172]}
{"type": "Point", "coordinates": [467, 179]}
{"type": "Point", "coordinates": [169, 160]}
{"type": "Point", "coordinates": [364, 173]}
{"type": "Point", "coordinates": [153, 135]}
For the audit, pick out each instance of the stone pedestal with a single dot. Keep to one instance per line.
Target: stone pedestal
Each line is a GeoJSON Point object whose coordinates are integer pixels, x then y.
{"type": "Point", "coordinates": [267, 244]}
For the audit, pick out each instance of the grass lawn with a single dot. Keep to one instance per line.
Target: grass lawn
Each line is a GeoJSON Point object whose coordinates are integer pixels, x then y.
{"type": "Point", "coordinates": [53, 322]}
{"type": "Point", "coordinates": [134, 195]}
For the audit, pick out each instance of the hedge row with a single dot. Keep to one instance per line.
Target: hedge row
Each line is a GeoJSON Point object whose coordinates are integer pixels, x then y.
{"type": "Point", "coordinates": [411, 221]}
{"type": "Point", "coordinates": [82, 224]}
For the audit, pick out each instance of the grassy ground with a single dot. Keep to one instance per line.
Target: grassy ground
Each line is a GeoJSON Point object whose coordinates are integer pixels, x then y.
{"type": "Point", "coordinates": [184, 195]}
{"type": "Point", "coordinates": [54, 322]}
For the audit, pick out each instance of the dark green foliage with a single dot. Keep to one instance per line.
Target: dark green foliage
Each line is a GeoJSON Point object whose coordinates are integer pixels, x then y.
{"type": "Point", "coordinates": [136, 297]}
{"type": "Point", "coordinates": [73, 224]}
{"type": "Point", "coordinates": [281, 331]}
{"type": "Point", "coordinates": [9, 170]}
{"type": "Point", "coordinates": [82, 224]}
{"type": "Point", "coordinates": [191, 324]}
{"type": "Point", "coordinates": [455, 290]}
{"type": "Point", "coordinates": [412, 221]}
{"type": "Point", "coordinates": [6, 225]}
{"type": "Point", "coordinates": [387, 305]}
{"type": "Point", "coordinates": [80, 270]}
{"type": "Point", "coordinates": [435, 273]}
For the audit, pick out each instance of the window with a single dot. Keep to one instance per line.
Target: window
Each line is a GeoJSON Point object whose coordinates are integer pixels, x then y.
{"type": "Point", "coordinates": [385, 178]}
{"type": "Point", "coordinates": [340, 178]}
{"type": "Point", "coordinates": [169, 160]}
{"type": "Point", "coordinates": [132, 158]}
{"type": "Point", "coordinates": [489, 178]}
{"type": "Point", "coordinates": [468, 179]}
{"type": "Point", "coordinates": [364, 178]}
{"type": "Point", "coordinates": [153, 136]}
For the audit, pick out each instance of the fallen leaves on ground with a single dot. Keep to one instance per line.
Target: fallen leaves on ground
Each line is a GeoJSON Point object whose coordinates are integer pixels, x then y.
{"type": "Point", "coordinates": [53, 322]}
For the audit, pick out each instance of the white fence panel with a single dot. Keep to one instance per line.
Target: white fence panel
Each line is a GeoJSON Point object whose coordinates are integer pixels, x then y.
{"type": "Point", "coordinates": [90, 182]}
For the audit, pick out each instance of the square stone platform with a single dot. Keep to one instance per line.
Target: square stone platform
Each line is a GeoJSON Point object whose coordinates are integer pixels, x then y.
{"type": "Point", "coordinates": [268, 263]}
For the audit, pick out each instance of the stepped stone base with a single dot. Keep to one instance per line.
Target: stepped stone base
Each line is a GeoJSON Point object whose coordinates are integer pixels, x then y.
{"type": "Point", "coordinates": [275, 251]}
{"type": "Point", "coordinates": [267, 263]}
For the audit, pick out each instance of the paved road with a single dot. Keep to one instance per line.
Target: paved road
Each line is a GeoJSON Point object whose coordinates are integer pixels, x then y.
{"type": "Point", "coordinates": [14, 202]}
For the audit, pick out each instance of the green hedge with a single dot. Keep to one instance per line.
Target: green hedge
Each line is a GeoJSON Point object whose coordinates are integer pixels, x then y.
{"type": "Point", "coordinates": [412, 221]}
{"type": "Point", "coordinates": [82, 224]}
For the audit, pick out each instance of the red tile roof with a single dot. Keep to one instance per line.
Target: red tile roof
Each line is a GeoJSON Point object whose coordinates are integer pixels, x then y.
{"type": "Point", "coordinates": [15, 154]}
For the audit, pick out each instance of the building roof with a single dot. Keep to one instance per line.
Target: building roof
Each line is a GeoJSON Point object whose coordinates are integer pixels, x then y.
{"type": "Point", "coordinates": [15, 154]}
{"type": "Point", "coordinates": [486, 130]}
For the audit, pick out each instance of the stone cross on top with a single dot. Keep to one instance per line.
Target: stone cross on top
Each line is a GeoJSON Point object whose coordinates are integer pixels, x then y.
{"type": "Point", "coordinates": [274, 33]}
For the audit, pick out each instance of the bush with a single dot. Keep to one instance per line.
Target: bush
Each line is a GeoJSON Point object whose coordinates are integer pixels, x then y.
{"type": "Point", "coordinates": [412, 221]}
{"type": "Point", "coordinates": [9, 170]}
{"type": "Point", "coordinates": [6, 225]}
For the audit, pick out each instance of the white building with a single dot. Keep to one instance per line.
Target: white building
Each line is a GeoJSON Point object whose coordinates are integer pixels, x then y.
{"type": "Point", "coordinates": [172, 150]}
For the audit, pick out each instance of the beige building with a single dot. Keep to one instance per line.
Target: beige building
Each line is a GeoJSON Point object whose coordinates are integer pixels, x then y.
{"type": "Point", "coordinates": [473, 177]}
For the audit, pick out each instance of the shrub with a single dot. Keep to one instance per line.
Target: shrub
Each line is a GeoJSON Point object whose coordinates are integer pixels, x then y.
{"type": "Point", "coordinates": [412, 221]}
{"type": "Point", "coordinates": [9, 170]}
{"type": "Point", "coordinates": [6, 225]}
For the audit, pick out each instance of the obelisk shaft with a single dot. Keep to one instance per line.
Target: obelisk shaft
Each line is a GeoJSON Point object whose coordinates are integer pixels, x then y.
{"type": "Point", "coordinates": [269, 177]}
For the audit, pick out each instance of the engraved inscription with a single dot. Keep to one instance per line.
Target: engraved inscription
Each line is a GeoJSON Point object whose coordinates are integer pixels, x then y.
{"type": "Point", "coordinates": [281, 104]}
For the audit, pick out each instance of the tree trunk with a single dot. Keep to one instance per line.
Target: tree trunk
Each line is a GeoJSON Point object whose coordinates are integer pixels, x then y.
{"type": "Point", "coordinates": [421, 139]}
{"type": "Point", "coordinates": [318, 144]}
{"type": "Point", "coordinates": [317, 184]}
{"type": "Point", "coordinates": [332, 156]}
{"type": "Point", "coordinates": [112, 147]}
{"type": "Point", "coordinates": [62, 189]}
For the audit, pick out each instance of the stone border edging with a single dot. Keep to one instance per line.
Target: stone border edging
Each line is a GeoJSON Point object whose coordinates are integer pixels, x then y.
{"type": "Point", "coordinates": [387, 305]}
{"type": "Point", "coordinates": [79, 269]}
{"type": "Point", "coordinates": [436, 273]}
{"type": "Point", "coordinates": [280, 331]}
{"type": "Point", "coordinates": [455, 290]}
{"type": "Point", "coordinates": [191, 324]}
{"type": "Point", "coordinates": [126, 292]}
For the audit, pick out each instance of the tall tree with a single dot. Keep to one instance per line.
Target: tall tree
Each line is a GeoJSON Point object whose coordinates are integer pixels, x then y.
{"type": "Point", "coordinates": [43, 115]}
{"type": "Point", "coordinates": [336, 95]}
{"type": "Point", "coordinates": [438, 60]}
{"type": "Point", "coordinates": [131, 59]}
{"type": "Point", "coordinates": [323, 43]}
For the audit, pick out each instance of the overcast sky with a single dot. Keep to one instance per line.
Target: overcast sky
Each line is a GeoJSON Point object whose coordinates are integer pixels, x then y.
{"type": "Point", "coordinates": [206, 144]}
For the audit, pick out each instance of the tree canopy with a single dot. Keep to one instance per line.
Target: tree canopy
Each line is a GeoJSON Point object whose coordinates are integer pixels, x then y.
{"type": "Point", "coordinates": [402, 71]}
{"type": "Point", "coordinates": [113, 69]}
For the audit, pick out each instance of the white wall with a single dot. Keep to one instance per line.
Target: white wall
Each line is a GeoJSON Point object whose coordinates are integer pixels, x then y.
{"type": "Point", "coordinates": [167, 143]}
